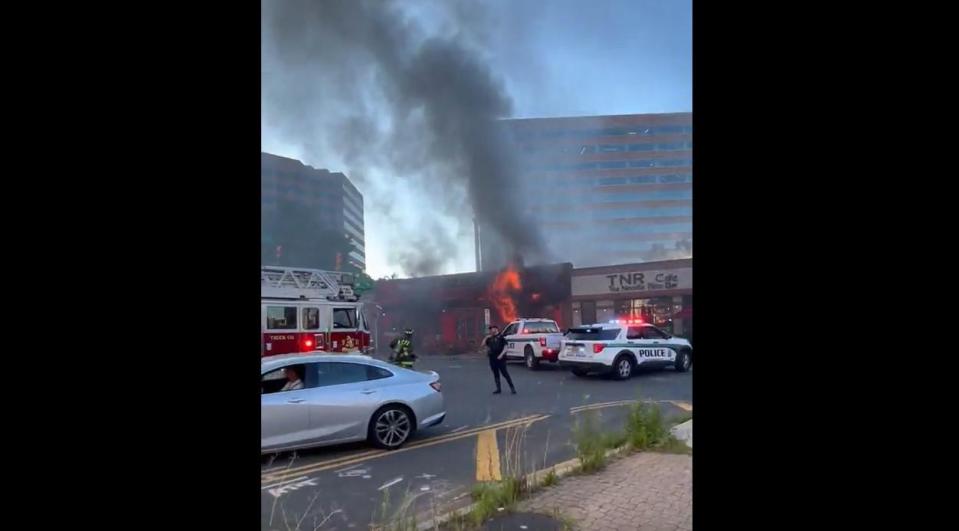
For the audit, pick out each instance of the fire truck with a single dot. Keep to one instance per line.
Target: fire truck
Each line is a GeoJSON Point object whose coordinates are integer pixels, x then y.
{"type": "Point", "coordinates": [308, 310]}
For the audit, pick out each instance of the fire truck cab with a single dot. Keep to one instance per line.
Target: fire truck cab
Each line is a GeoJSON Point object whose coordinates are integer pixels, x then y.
{"type": "Point", "coordinates": [308, 310]}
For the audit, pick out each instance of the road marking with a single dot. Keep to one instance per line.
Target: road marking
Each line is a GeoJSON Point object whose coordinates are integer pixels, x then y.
{"type": "Point", "coordinates": [294, 480]}
{"type": "Point", "coordinates": [587, 407]}
{"type": "Point", "coordinates": [279, 491]}
{"type": "Point", "coordinates": [460, 428]}
{"type": "Point", "coordinates": [601, 405]}
{"type": "Point", "coordinates": [352, 460]}
{"type": "Point", "coordinates": [487, 457]}
{"type": "Point", "coordinates": [390, 483]}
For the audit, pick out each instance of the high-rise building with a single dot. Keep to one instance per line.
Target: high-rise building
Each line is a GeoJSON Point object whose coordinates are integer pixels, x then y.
{"type": "Point", "coordinates": [603, 190]}
{"type": "Point", "coordinates": [310, 217]}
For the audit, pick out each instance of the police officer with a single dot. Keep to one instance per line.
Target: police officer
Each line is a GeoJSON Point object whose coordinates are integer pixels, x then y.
{"type": "Point", "coordinates": [403, 349]}
{"type": "Point", "coordinates": [495, 348]}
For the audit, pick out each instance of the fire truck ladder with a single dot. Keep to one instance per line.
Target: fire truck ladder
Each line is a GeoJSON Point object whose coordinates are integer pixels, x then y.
{"type": "Point", "coordinates": [302, 283]}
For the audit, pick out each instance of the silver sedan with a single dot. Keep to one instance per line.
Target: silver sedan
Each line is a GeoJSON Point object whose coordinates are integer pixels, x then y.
{"type": "Point", "coordinates": [324, 399]}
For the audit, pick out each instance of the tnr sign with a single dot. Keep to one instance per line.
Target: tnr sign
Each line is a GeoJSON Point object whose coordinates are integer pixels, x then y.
{"type": "Point", "coordinates": [633, 281]}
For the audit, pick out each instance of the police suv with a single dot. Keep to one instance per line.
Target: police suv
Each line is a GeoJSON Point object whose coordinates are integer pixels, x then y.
{"type": "Point", "coordinates": [618, 347]}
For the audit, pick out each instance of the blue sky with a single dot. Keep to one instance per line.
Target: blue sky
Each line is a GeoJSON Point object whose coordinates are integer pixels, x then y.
{"type": "Point", "coordinates": [555, 58]}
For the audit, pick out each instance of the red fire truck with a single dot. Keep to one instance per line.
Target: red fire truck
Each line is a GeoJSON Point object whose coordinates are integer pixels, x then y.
{"type": "Point", "coordinates": [306, 310]}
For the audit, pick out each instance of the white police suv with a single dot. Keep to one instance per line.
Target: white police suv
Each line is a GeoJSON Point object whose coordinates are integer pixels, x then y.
{"type": "Point", "coordinates": [619, 347]}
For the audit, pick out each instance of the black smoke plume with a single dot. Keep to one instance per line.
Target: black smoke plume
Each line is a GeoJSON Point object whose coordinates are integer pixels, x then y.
{"type": "Point", "coordinates": [362, 79]}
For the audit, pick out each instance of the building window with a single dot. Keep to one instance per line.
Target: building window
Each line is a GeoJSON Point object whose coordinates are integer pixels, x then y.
{"type": "Point", "coordinates": [612, 180]}
{"type": "Point", "coordinates": [657, 311]}
{"type": "Point", "coordinates": [613, 164]}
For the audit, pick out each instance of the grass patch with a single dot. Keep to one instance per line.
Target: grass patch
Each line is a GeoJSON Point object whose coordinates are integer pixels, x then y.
{"type": "Point", "coordinates": [490, 497]}
{"type": "Point", "coordinates": [592, 444]}
{"type": "Point", "coordinates": [402, 519]}
{"type": "Point", "coordinates": [672, 445]}
{"type": "Point", "coordinates": [550, 479]}
{"type": "Point", "coordinates": [645, 428]}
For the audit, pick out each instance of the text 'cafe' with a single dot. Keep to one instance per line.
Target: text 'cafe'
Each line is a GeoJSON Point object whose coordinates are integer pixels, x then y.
{"type": "Point", "coordinates": [659, 293]}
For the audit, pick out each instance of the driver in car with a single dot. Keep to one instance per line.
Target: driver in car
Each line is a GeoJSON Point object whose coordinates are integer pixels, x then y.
{"type": "Point", "coordinates": [294, 378]}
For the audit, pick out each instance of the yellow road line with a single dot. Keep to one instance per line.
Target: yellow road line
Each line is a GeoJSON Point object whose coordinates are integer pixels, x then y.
{"type": "Point", "coordinates": [680, 404]}
{"type": "Point", "coordinates": [487, 457]}
{"type": "Point", "coordinates": [601, 405]}
{"type": "Point", "coordinates": [350, 460]}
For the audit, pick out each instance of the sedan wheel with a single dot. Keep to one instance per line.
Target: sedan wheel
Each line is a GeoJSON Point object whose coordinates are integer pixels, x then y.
{"type": "Point", "coordinates": [391, 428]}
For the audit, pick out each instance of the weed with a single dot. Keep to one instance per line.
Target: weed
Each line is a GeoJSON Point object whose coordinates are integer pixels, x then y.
{"type": "Point", "coordinates": [403, 519]}
{"type": "Point", "coordinates": [489, 497]}
{"type": "Point", "coordinates": [672, 445]}
{"type": "Point", "coordinates": [645, 428]}
{"type": "Point", "coordinates": [590, 443]}
{"type": "Point", "coordinates": [550, 479]}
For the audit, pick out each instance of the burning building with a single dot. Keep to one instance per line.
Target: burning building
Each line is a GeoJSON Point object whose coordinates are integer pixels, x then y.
{"type": "Point", "coordinates": [450, 313]}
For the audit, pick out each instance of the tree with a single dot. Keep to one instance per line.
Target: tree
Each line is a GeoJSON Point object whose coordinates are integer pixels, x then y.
{"type": "Point", "coordinates": [362, 283]}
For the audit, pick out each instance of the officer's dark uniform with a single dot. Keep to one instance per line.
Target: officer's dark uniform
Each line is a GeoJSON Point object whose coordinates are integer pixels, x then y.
{"type": "Point", "coordinates": [495, 346]}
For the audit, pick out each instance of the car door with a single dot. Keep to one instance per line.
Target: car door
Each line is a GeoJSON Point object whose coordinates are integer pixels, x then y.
{"type": "Point", "coordinates": [284, 415]}
{"type": "Point", "coordinates": [654, 348]}
{"type": "Point", "coordinates": [343, 400]}
{"type": "Point", "coordinates": [509, 334]}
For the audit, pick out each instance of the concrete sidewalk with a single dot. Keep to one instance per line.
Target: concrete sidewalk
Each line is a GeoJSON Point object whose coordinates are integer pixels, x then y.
{"type": "Point", "coordinates": [646, 491]}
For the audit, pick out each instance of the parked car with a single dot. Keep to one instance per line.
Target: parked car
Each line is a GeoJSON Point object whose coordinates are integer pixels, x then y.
{"type": "Point", "coordinates": [533, 341]}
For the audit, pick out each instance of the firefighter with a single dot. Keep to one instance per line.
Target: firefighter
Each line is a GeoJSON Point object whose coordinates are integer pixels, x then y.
{"type": "Point", "coordinates": [403, 349]}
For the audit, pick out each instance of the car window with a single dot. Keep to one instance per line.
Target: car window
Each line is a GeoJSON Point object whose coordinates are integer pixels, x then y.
{"type": "Point", "coordinates": [650, 332]}
{"type": "Point", "coordinates": [344, 317]}
{"type": "Point", "coordinates": [511, 329]}
{"type": "Point", "coordinates": [531, 328]}
{"type": "Point", "coordinates": [377, 373]}
{"type": "Point", "coordinates": [550, 328]}
{"type": "Point", "coordinates": [338, 373]}
{"type": "Point", "coordinates": [275, 380]}
{"type": "Point", "coordinates": [634, 332]}
{"type": "Point", "coordinates": [277, 374]}
{"type": "Point", "coordinates": [311, 318]}
{"type": "Point", "coordinates": [593, 334]}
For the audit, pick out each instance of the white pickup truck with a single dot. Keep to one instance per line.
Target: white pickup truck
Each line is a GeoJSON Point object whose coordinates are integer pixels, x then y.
{"type": "Point", "coordinates": [533, 340]}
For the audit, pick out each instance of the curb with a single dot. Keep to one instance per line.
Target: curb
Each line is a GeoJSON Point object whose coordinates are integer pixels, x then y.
{"type": "Point", "coordinates": [532, 480]}
{"type": "Point", "coordinates": [684, 432]}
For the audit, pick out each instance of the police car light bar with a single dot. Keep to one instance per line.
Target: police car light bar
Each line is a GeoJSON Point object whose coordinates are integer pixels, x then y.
{"type": "Point", "coordinates": [626, 321]}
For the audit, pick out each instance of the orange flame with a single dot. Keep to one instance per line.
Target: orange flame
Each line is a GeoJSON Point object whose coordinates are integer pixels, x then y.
{"type": "Point", "coordinates": [500, 293]}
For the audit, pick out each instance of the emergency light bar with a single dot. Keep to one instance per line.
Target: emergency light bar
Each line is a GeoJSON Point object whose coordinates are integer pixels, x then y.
{"type": "Point", "coordinates": [626, 321]}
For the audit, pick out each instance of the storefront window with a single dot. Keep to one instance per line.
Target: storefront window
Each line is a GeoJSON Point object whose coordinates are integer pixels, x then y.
{"type": "Point", "coordinates": [658, 311]}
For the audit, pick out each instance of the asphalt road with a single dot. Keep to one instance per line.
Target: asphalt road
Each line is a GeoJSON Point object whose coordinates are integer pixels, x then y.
{"type": "Point", "coordinates": [483, 437]}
